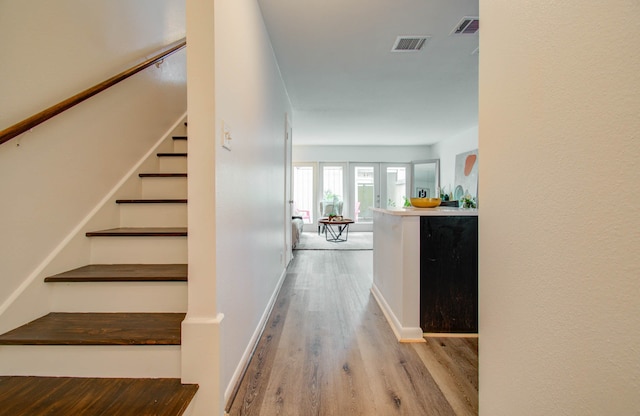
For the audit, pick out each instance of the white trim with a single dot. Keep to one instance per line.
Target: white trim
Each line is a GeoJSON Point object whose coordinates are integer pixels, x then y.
{"type": "Point", "coordinates": [217, 320]}
{"type": "Point", "coordinates": [403, 334]}
{"type": "Point", "coordinates": [79, 228]}
{"type": "Point", "coordinates": [253, 342]}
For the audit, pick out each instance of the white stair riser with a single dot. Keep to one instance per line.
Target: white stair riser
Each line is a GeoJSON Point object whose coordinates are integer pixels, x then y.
{"type": "Point", "coordinates": [138, 361]}
{"type": "Point", "coordinates": [180, 146]}
{"type": "Point", "coordinates": [150, 215]}
{"type": "Point", "coordinates": [138, 250]}
{"type": "Point", "coordinates": [156, 188]}
{"type": "Point", "coordinates": [119, 297]}
{"type": "Point", "coordinates": [172, 164]}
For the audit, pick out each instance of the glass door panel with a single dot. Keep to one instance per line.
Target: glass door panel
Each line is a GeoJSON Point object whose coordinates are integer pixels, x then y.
{"type": "Point", "coordinates": [395, 185]}
{"type": "Point", "coordinates": [365, 190]}
{"type": "Point", "coordinates": [303, 176]}
{"type": "Point", "coordinates": [332, 188]}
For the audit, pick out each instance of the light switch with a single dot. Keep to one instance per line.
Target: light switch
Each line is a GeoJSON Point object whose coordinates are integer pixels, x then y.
{"type": "Point", "coordinates": [226, 136]}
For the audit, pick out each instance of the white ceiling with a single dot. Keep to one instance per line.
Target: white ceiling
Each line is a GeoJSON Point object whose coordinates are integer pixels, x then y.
{"type": "Point", "coordinates": [348, 88]}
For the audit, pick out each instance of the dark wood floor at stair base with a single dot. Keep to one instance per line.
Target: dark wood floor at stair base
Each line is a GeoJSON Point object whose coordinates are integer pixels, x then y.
{"type": "Point", "coordinates": [63, 396]}
{"type": "Point", "coordinates": [98, 329]}
{"type": "Point", "coordinates": [328, 350]}
{"type": "Point", "coordinates": [123, 273]}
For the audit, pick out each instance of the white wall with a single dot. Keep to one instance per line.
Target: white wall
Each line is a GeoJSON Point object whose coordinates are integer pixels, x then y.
{"type": "Point", "coordinates": [559, 262]}
{"type": "Point", "coordinates": [397, 154]}
{"type": "Point", "coordinates": [251, 99]}
{"type": "Point", "coordinates": [236, 225]}
{"type": "Point", "coordinates": [53, 176]}
{"type": "Point", "coordinates": [447, 150]}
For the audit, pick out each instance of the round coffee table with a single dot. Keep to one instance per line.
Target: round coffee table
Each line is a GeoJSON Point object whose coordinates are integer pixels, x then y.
{"type": "Point", "coordinates": [336, 231]}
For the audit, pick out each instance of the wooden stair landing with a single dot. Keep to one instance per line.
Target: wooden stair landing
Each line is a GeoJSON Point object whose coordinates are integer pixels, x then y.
{"type": "Point", "coordinates": [123, 273]}
{"type": "Point", "coordinates": [65, 396]}
{"type": "Point", "coordinates": [98, 329]}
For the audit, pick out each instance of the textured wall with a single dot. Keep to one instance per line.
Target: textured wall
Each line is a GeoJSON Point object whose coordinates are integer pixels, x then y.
{"type": "Point", "coordinates": [559, 222]}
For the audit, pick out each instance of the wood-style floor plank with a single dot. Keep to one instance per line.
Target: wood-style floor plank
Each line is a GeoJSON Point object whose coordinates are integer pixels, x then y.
{"type": "Point", "coordinates": [328, 350]}
{"type": "Point", "coordinates": [65, 396]}
{"type": "Point", "coordinates": [453, 362]}
{"type": "Point", "coordinates": [98, 329]}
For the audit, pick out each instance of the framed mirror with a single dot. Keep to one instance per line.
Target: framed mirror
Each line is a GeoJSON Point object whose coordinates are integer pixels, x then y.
{"type": "Point", "coordinates": [425, 181]}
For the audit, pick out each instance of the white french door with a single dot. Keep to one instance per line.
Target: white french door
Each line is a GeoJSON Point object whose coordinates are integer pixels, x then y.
{"type": "Point", "coordinates": [376, 185]}
{"type": "Point", "coordinates": [364, 190]}
{"type": "Point", "coordinates": [304, 188]}
{"type": "Point", "coordinates": [332, 189]}
{"type": "Point", "coordinates": [395, 184]}
{"type": "Point", "coordinates": [348, 189]}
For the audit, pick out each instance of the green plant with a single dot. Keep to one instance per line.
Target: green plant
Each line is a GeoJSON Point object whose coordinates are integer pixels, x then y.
{"type": "Point", "coordinates": [407, 203]}
{"type": "Point", "coordinates": [330, 196]}
{"type": "Point", "coordinates": [467, 202]}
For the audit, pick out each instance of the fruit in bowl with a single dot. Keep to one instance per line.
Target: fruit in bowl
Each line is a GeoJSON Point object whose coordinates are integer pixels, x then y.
{"type": "Point", "coordinates": [425, 202]}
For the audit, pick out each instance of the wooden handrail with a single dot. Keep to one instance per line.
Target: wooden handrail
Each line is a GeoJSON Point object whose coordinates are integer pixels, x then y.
{"type": "Point", "coordinates": [34, 120]}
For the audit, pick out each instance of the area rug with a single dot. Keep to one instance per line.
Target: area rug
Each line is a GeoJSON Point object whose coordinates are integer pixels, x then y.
{"type": "Point", "coordinates": [357, 240]}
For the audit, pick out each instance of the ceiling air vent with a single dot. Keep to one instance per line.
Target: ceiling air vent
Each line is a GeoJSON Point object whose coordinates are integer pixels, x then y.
{"type": "Point", "coordinates": [409, 43]}
{"type": "Point", "coordinates": [467, 26]}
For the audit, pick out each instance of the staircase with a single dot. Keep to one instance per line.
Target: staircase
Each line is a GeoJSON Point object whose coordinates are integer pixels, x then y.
{"type": "Point", "coordinates": [111, 344]}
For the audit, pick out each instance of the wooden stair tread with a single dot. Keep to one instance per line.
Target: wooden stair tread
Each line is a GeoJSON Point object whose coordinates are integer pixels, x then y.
{"type": "Point", "coordinates": [172, 154]}
{"type": "Point", "coordinates": [151, 201]}
{"type": "Point", "coordinates": [123, 273]}
{"type": "Point", "coordinates": [140, 232]}
{"type": "Point", "coordinates": [64, 396]}
{"type": "Point", "coordinates": [59, 328]}
{"type": "Point", "coordinates": [162, 175]}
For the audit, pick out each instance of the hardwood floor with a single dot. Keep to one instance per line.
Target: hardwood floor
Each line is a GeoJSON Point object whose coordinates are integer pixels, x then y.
{"type": "Point", "coordinates": [66, 396]}
{"type": "Point", "coordinates": [328, 350]}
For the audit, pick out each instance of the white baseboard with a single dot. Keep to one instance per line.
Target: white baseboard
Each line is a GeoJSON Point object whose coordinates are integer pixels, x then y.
{"type": "Point", "coordinates": [403, 334]}
{"type": "Point", "coordinates": [253, 342]}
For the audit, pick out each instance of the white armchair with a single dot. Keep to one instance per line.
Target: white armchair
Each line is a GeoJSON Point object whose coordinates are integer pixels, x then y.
{"type": "Point", "coordinates": [330, 207]}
